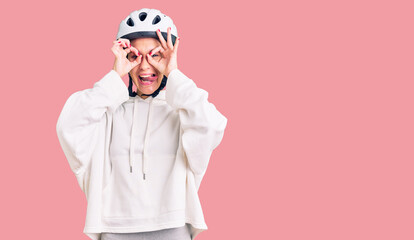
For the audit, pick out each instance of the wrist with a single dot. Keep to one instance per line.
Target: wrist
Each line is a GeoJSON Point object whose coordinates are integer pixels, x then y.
{"type": "Point", "coordinates": [169, 71]}
{"type": "Point", "coordinates": [120, 74]}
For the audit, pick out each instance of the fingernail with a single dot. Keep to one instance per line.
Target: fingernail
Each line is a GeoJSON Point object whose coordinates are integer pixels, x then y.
{"type": "Point", "coordinates": [158, 30]}
{"type": "Point", "coordinates": [150, 53]}
{"type": "Point", "coordinates": [169, 28]}
{"type": "Point", "coordinates": [139, 54]}
{"type": "Point", "coordinates": [178, 38]}
{"type": "Point", "coordinates": [119, 41]}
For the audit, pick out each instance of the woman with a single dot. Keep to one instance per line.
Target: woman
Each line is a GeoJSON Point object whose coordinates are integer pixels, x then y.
{"type": "Point", "coordinates": [139, 157]}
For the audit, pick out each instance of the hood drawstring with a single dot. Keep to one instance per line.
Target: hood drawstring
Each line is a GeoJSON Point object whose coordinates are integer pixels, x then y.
{"type": "Point", "coordinates": [132, 140]}
{"type": "Point", "coordinates": [144, 156]}
{"type": "Point", "coordinates": [146, 139]}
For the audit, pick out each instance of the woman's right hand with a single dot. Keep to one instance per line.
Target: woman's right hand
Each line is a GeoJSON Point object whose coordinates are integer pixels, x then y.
{"type": "Point", "coordinates": [122, 64]}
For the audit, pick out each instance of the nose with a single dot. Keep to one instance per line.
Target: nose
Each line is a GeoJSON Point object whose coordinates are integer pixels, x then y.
{"type": "Point", "coordinates": [144, 63]}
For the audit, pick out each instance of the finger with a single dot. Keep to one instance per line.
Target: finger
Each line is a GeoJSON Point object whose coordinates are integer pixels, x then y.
{"type": "Point", "coordinates": [155, 50]}
{"type": "Point", "coordinates": [169, 40]}
{"type": "Point", "coordinates": [136, 62]}
{"type": "Point", "coordinates": [136, 54]}
{"type": "Point", "coordinates": [124, 45]}
{"type": "Point", "coordinates": [177, 41]}
{"type": "Point", "coordinates": [127, 50]}
{"type": "Point", "coordinates": [153, 62]}
{"type": "Point", "coordinates": [116, 53]}
{"type": "Point", "coordinates": [134, 57]}
{"type": "Point", "coordinates": [162, 40]}
{"type": "Point", "coordinates": [116, 49]}
{"type": "Point", "coordinates": [126, 41]}
{"type": "Point", "coordinates": [120, 45]}
{"type": "Point", "coordinates": [117, 44]}
{"type": "Point", "coordinates": [120, 48]}
{"type": "Point", "coordinates": [134, 50]}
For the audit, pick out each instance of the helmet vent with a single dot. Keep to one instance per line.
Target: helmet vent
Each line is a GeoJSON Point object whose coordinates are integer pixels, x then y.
{"type": "Point", "coordinates": [142, 16]}
{"type": "Point", "coordinates": [130, 22]}
{"type": "Point", "coordinates": [156, 20]}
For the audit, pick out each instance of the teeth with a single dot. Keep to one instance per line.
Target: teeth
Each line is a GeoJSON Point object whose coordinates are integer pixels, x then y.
{"type": "Point", "coordinates": [147, 75]}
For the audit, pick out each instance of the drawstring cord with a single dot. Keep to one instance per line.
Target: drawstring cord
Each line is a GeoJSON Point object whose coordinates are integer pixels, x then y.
{"type": "Point", "coordinates": [144, 158]}
{"type": "Point", "coordinates": [132, 140]}
{"type": "Point", "coordinates": [146, 139]}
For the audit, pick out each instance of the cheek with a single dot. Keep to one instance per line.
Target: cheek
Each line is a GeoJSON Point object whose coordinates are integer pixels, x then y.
{"type": "Point", "coordinates": [134, 77]}
{"type": "Point", "coordinates": [134, 73]}
{"type": "Point", "coordinates": [135, 69]}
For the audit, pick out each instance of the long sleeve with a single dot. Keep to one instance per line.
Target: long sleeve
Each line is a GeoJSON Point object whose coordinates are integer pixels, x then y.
{"type": "Point", "coordinates": [78, 124]}
{"type": "Point", "coordinates": [202, 124]}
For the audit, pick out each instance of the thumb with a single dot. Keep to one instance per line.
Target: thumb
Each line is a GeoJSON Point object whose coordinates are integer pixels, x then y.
{"type": "Point", "coordinates": [136, 62]}
{"type": "Point", "coordinates": [153, 62]}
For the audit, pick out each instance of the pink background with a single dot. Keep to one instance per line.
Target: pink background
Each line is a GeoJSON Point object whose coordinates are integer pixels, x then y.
{"type": "Point", "coordinates": [318, 96]}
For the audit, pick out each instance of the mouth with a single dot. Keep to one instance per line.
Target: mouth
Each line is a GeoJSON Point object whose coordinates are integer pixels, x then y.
{"type": "Point", "coordinates": [147, 78]}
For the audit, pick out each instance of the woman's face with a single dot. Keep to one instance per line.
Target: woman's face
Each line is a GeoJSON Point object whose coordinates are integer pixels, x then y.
{"type": "Point", "coordinates": [148, 85]}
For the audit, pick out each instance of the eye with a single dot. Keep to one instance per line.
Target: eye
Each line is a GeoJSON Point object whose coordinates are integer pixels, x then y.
{"type": "Point", "coordinates": [155, 55]}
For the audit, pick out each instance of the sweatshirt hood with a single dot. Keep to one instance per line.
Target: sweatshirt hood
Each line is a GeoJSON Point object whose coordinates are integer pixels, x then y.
{"type": "Point", "coordinates": [151, 100]}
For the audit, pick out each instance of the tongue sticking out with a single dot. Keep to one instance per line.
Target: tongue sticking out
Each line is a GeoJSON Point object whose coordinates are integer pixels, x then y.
{"type": "Point", "coordinates": [149, 78]}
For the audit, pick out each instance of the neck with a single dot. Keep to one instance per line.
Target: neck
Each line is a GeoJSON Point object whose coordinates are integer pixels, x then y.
{"type": "Point", "coordinates": [143, 97]}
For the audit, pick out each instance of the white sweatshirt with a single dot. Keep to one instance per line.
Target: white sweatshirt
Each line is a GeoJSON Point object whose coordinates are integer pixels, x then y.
{"type": "Point", "coordinates": [140, 162]}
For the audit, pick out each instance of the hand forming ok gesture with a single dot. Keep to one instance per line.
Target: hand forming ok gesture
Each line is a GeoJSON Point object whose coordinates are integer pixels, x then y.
{"type": "Point", "coordinates": [120, 49]}
{"type": "Point", "coordinates": [168, 62]}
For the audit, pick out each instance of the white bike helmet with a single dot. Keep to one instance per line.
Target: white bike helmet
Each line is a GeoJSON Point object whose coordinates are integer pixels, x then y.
{"type": "Point", "coordinates": [144, 23]}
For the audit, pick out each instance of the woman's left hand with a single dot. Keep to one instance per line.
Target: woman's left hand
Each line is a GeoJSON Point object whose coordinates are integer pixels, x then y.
{"type": "Point", "coordinates": [168, 62]}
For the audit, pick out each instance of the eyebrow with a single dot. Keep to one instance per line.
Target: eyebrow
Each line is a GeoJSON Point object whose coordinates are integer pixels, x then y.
{"type": "Point", "coordinates": [154, 48]}
{"type": "Point", "coordinates": [151, 49]}
{"type": "Point", "coordinates": [139, 51]}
